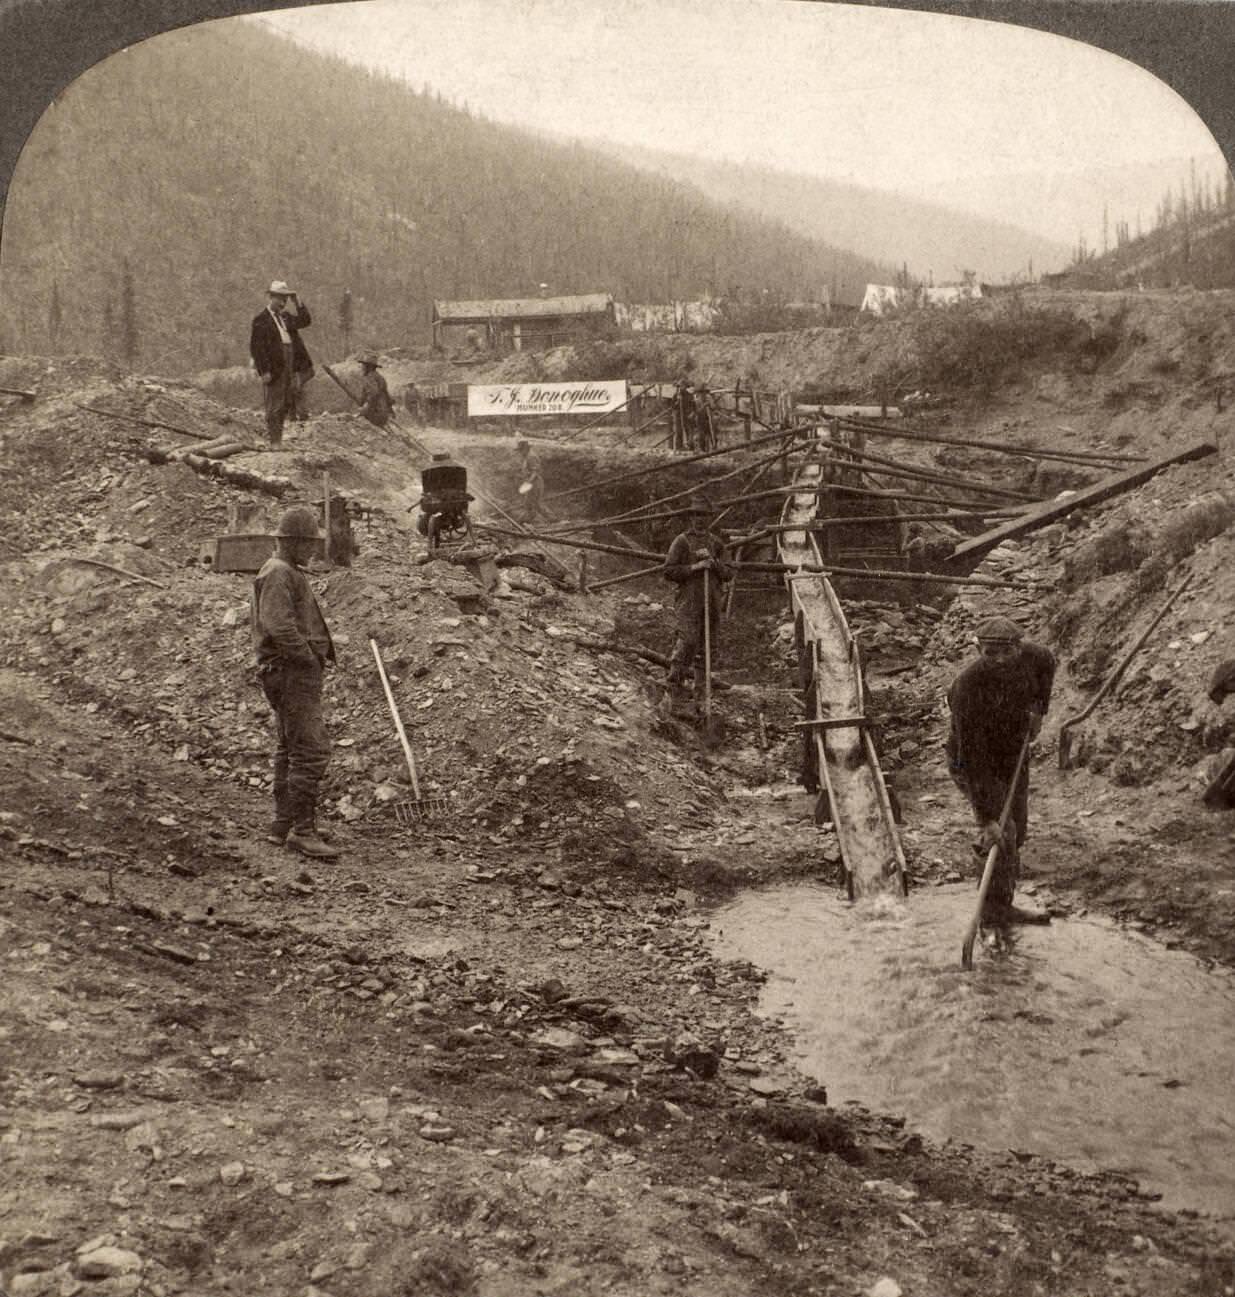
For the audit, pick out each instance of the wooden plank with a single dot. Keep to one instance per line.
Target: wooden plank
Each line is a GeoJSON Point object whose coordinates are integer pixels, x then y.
{"type": "Point", "coordinates": [1107, 489]}
{"type": "Point", "coordinates": [833, 723]}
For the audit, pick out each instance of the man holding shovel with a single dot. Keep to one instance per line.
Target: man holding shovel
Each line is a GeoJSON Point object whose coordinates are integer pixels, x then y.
{"type": "Point", "coordinates": [694, 564]}
{"type": "Point", "coordinates": [293, 646]}
{"type": "Point", "coordinates": [997, 703]}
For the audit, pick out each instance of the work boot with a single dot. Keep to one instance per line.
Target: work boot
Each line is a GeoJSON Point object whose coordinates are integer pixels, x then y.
{"type": "Point", "coordinates": [1016, 914]}
{"type": "Point", "coordinates": [306, 839]}
{"type": "Point", "coordinates": [278, 831]}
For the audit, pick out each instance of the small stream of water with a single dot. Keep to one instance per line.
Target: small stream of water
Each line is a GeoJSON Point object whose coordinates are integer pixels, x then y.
{"type": "Point", "coordinates": [1084, 1043]}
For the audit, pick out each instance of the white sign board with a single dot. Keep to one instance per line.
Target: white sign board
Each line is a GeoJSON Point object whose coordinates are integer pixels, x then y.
{"type": "Point", "coordinates": [491, 399]}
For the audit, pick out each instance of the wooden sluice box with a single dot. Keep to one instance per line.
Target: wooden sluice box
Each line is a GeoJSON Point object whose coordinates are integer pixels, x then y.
{"type": "Point", "coordinates": [245, 552]}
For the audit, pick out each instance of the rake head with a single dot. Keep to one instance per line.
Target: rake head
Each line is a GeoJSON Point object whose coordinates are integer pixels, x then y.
{"type": "Point", "coordinates": [412, 813]}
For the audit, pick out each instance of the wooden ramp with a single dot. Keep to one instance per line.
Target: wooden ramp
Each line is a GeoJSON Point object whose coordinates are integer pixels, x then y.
{"type": "Point", "coordinates": [1040, 515]}
{"type": "Point", "coordinates": [848, 765]}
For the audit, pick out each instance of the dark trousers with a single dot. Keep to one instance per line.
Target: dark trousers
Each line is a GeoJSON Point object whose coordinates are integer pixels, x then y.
{"type": "Point", "coordinates": [688, 644]}
{"type": "Point", "coordinates": [302, 750]}
{"type": "Point", "coordinates": [987, 792]}
{"type": "Point", "coordinates": [279, 396]}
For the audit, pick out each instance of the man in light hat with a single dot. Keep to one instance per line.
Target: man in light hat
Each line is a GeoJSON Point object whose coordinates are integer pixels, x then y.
{"type": "Point", "coordinates": [995, 701]}
{"type": "Point", "coordinates": [280, 357]}
{"type": "Point", "coordinates": [693, 552]}
{"type": "Point", "coordinates": [293, 647]}
{"type": "Point", "coordinates": [375, 402]}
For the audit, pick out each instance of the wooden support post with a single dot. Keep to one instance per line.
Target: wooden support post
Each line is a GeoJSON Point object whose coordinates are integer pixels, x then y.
{"type": "Point", "coordinates": [626, 576]}
{"type": "Point", "coordinates": [865, 457]}
{"type": "Point", "coordinates": [833, 723]}
{"type": "Point", "coordinates": [660, 468]}
{"type": "Point", "coordinates": [620, 551]}
{"type": "Point", "coordinates": [1095, 494]}
{"type": "Point", "coordinates": [326, 513]}
{"type": "Point", "coordinates": [1029, 452]}
{"type": "Point", "coordinates": [876, 574]}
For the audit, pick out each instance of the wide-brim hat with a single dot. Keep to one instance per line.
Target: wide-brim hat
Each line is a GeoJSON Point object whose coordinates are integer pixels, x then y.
{"type": "Point", "coordinates": [278, 288]}
{"type": "Point", "coordinates": [298, 523]}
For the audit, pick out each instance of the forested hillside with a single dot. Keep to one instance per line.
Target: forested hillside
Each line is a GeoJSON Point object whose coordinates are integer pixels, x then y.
{"type": "Point", "coordinates": [163, 191]}
{"type": "Point", "coordinates": [934, 240]}
{"type": "Point", "coordinates": [1192, 242]}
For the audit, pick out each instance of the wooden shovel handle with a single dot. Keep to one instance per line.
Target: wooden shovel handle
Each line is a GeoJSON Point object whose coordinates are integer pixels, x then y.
{"type": "Point", "coordinates": [707, 647]}
{"type": "Point", "coordinates": [398, 720]}
{"type": "Point", "coordinates": [988, 870]}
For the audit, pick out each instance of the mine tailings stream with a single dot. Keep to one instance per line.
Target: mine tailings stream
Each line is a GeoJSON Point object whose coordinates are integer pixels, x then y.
{"type": "Point", "coordinates": [1085, 1043]}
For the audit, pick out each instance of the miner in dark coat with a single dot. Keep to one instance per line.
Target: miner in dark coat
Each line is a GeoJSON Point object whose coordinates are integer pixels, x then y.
{"type": "Point", "coordinates": [294, 647]}
{"type": "Point", "coordinates": [994, 702]}
{"type": "Point", "coordinates": [280, 357]}
{"type": "Point", "coordinates": [693, 552]}
{"type": "Point", "coordinates": [375, 402]}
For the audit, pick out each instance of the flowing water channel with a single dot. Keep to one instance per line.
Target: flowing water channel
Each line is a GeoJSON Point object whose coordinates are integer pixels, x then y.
{"type": "Point", "coordinates": [1085, 1043]}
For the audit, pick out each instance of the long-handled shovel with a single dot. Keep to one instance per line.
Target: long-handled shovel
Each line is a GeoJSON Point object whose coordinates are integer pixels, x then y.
{"type": "Point", "coordinates": [713, 727]}
{"type": "Point", "coordinates": [406, 813]}
{"type": "Point", "coordinates": [992, 855]}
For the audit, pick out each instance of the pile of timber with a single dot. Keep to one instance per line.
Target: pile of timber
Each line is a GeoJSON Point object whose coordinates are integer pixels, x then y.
{"type": "Point", "coordinates": [218, 468]}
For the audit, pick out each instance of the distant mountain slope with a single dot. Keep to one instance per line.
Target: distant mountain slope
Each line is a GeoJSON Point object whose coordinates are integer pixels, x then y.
{"type": "Point", "coordinates": [1069, 204]}
{"type": "Point", "coordinates": [935, 240]}
{"type": "Point", "coordinates": [159, 196]}
{"type": "Point", "coordinates": [1194, 248]}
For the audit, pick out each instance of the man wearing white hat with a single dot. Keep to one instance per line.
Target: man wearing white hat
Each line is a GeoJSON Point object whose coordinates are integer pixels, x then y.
{"type": "Point", "coordinates": [280, 357]}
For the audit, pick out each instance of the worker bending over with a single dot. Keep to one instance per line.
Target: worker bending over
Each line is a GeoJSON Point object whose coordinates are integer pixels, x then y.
{"type": "Point", "coordinates": [995, 701]}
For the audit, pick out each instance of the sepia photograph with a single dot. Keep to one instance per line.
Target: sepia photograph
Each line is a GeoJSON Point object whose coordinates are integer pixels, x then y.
{"type": "Point", "coordinates": [616, 648]}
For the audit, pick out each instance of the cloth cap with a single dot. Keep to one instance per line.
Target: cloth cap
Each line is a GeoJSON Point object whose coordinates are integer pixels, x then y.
{"type": "Point", "coordinates": [298, 521]}
{"type": "Point", "coordinates": [441, 456]}
{"type": "Point", "coordinates": [278, 286]}
{"type": "Point", "coordinates": [368, 358]}
{"type": "Point", "coordinates": [699, 503]}
{"type": "Point", "coordinates": [999, 628]}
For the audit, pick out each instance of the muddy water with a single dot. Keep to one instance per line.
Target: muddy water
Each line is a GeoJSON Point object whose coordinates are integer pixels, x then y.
{"type": "Point", "coordinates": [1084, 1043]}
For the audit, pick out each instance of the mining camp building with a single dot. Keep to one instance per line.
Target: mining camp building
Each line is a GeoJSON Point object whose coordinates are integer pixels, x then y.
{"type": "Point", "coordinates": [522, 324]}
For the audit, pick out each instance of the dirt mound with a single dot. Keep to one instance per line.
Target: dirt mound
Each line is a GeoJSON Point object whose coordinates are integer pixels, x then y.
{"type": "Point", "coordinates": [492, 686]}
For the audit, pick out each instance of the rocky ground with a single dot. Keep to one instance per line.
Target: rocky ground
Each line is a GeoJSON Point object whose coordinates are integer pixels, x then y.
{"type": "Point", "coordinates": [495, 1054]}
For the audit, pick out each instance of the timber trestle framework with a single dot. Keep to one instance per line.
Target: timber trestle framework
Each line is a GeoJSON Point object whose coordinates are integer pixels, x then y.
{"type": "Point", "coordinates": [837, 726]}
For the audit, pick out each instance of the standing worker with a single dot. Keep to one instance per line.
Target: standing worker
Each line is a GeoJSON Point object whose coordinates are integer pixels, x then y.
{"type": "Point", "coordinates": [531, 482]}
{"type": "Point", "coordinates": [293, 646]}
{"type": "Point", "coordinates": [375, 402]}
{"type": "Point", "coordinates": [281, 358]}
{"type": "Point", "coordinates": [995, 701]}
{"type": "Point", "coordinates": [705, 425]}
{"type": "Point", "coordinates": [693, 552]}
{"type": "Point", "coordinates": [414, 405]}
{"type": "Point", "coordinates": [683, 416]}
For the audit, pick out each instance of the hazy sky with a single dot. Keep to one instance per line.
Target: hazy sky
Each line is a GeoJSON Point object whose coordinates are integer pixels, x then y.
{"type": "Point", "coordinates": [885, 98]}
